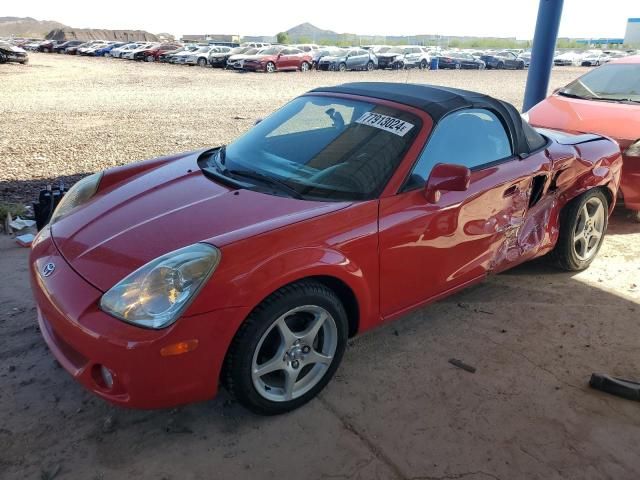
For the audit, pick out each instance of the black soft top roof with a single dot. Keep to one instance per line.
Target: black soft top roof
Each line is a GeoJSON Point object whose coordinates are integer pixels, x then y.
{"type": "Point", "coordinates": [439, 101]}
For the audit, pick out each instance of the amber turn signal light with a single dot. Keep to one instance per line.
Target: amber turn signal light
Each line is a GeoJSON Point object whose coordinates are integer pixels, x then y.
{"type": "Point", "coordinates": [179, 348]}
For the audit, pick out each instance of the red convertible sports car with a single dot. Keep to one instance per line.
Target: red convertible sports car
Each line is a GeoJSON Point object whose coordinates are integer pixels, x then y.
{"type": "Point", "coordinates": [251, 265]}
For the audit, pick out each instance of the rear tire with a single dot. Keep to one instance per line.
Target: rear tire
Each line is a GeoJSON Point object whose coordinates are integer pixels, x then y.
{"type": "Point", "coordinates": [3, 58]}
{"type": "Point", "coordinates": [305, 67]}
{"type": "Point", "coordinates": [458, 66]}
{"type": "Point", "coordinates": [202, 62]}
{"type": "Point", "coordinates": [297, 337]}
{"type": "Point", "coordinates": [500, 66]}
{"type": "Point", "coordinates": [342, 67]}
{"type": "Point", "coordinates": [583, 224]}
{"type": "Point", "coordinates": [150, 58]}
{"type": "Point", "coordinates": [424, 64]}
{"type": "Point", "coordinates": [370, 66]}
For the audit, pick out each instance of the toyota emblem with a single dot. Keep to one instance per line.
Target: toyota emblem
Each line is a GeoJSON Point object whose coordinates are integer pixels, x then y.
{"type": "Point", "coordinates": [48, 269]}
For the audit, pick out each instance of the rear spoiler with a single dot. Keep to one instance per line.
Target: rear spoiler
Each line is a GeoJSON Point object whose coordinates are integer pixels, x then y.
{"type": "Point", "coordinates": [567, 138]}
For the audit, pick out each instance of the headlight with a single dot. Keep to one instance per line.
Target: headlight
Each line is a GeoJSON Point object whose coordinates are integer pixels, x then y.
{"type": "Point", "coordinates": [633, 150]}
{"type": "Point", "coordinates": [80, 193]}
{"type": "Point", "coordinates": [157, 293]}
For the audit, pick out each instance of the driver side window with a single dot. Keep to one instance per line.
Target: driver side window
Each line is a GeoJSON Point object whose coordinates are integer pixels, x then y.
{"type": "Point", "coordinates": [472, 137]}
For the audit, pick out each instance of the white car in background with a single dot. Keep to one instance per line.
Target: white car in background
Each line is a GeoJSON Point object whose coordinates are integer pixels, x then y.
{"type": "Point", "coordinates": [568, 59]}
{"type": "Point", "coordinates": [306, 47]}
{"type": "Point", "coordinates": [130, 53]}
{"type": "Point", "coordinates": [237, 61]}
{"type": "Point", "coordinates": [93, 45]}
{"type": "Point", "coordinates": [200, 56]}
{"type": "Point", "coordinates": [594, 59]}
{"type": "Point", "coordinates": [179, 56]}
{"type": "Point", "coordinates": [119, 51]}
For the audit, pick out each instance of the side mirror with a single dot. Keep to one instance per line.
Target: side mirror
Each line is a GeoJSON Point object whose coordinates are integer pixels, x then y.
{"type": "Point", "coordinates": [446, 177]}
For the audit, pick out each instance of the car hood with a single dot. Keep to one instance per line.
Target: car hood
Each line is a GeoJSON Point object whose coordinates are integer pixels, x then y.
{"type": "Point", "coordinates": [147, 209]}
{"type": "Point", "coordinates": [239, 56]}
{"type": "Point", "coordinates": [257, 57]}
{"type": "Point", "coordinates": [331, 58]}
{"type": "Point", "coordinates": [616, 120]}
{"type": "Point", "coordinates": [13, 48]}
{"type": "Point", "coordinates": [389, 55]}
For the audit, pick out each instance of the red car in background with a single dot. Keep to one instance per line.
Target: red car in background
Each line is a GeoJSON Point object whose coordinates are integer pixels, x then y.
{"type": "Point", "coordinates": [152, 54]}
{"type": "Point", "coordinates": [605, 101]}
{"type": "Point", "coordinates": [251, 265]}
{"type": "Point", "coordinates": [272, 59]}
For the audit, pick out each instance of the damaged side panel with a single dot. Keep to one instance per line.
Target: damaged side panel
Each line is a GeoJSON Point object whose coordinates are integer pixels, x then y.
{"type": "Point", "coordinates": [509, 214]}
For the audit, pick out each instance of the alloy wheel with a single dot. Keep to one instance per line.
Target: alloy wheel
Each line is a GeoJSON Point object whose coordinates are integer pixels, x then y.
{"type": "Point", "coordinates": [304, 67]}
{"type": "Point", "coordinates": [589, 229]}
{"type": "Point", "coordinates": [271, 67]}
{"type": "Point", "coordinates": [295, 353]}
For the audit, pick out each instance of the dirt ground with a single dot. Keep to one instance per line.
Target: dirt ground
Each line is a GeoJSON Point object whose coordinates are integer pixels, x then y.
{"type": "Point", "coordinates": [396, 409]}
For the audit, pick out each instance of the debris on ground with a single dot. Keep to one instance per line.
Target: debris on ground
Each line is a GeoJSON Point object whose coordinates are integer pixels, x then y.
{"type": "Point", "coordinates": [109, 425]}
{"type": "Point", "coordinates": [615, 386]}
{"type": "Point", "coordinates": [25, 240]}
{"type": "Point", "coordinates": [50, 474]}
{"type": "Point", "coordinates": [175, 427]}
{"type": "Point", "coordinates": [460, 364]}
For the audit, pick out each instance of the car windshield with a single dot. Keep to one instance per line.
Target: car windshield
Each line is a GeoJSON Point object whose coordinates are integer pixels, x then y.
{"type": "Point", "coordinates": [270, 51]}
{"type": "Point", "coordinates": [202, 50]}
{"type": "Point", "coordinates": [322, 148]}
{"type": "Point", "coordinates": [613, 82]}
{"type": "Point", "coordinates": [395, 50]}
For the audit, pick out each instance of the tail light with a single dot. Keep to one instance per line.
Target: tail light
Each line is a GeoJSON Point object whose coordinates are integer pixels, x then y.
{"type": "Point", "coordinates": [633, 150]}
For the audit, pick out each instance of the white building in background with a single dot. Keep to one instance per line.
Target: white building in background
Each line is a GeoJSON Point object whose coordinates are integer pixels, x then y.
{"type": "Point", "coordinates": [632, 34]}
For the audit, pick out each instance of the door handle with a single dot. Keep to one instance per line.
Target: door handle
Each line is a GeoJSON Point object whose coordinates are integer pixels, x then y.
{"type": "Point", "coordinates": [511, 191]}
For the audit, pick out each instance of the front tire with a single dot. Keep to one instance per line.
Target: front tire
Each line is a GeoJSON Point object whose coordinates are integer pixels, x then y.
{"type": "Point", "coordinates": [500, 66]}
{"type": "Point", "coordinates": [287, 349]}
{"type": "Point", "coordinates": [150, 58]}
{"type": "Point", "coordinates": [583, 224]}
{"type": "Point", "coordinates": [305, 67]}
{"type": "Point", "coordinates": [370, 66]}
{"type": "Point", "coordinates": [270, 67]}
{"type": "Point", "coordinates": [342, 67]}
{"type": "Point", "coordinates": [202, 62]}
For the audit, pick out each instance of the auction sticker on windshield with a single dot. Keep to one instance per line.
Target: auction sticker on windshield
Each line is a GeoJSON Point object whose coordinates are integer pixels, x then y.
{"type": "Point", "coordinates": [385, 122]}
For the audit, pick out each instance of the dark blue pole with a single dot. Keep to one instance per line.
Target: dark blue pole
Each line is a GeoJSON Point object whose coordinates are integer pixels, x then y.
{"type": "Point", "coordinates": [544, 46]}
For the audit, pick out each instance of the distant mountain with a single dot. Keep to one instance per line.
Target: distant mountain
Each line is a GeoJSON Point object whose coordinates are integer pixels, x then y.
{"type": "Point", "coordinates": [312, 33]}
{"type": "Point", "coordinates": [27, 27]}
{"type": "Point", "coordinates": [309, 33]}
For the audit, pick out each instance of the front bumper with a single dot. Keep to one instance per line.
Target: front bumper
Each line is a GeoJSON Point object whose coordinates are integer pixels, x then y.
{"type": "Point", "coordinates": [254, 66]}
{"type": "Point", "coordinates": [83, 338]}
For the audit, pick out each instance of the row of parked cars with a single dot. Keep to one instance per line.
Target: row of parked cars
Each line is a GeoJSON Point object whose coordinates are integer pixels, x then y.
{"type": "Point", "coordinates": [257, 56]}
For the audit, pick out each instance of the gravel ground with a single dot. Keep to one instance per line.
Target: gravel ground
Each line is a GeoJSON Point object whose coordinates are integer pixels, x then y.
{"type": "Point", "coordinates": [396, 409]}
{"type": "Point", "coordinates": [63, 116]}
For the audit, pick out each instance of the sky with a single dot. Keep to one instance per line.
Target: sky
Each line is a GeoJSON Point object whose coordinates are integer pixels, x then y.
{"type": "Point", "coordinates": [500, 18]}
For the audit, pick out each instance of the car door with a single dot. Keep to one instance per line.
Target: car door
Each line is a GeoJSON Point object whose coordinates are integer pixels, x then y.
{"type": "Point", "coordinates": [511, 60]}
{"type": "Point", "coordinates": [352, 59]}
{"type": "Point", "coordinates": [430, 249]}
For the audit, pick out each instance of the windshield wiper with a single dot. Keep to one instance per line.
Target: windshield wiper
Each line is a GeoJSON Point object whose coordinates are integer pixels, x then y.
{"type": "Point", "coordinates": [573, 95]}
{"type": "Point", "coordinates": [253, 175]}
